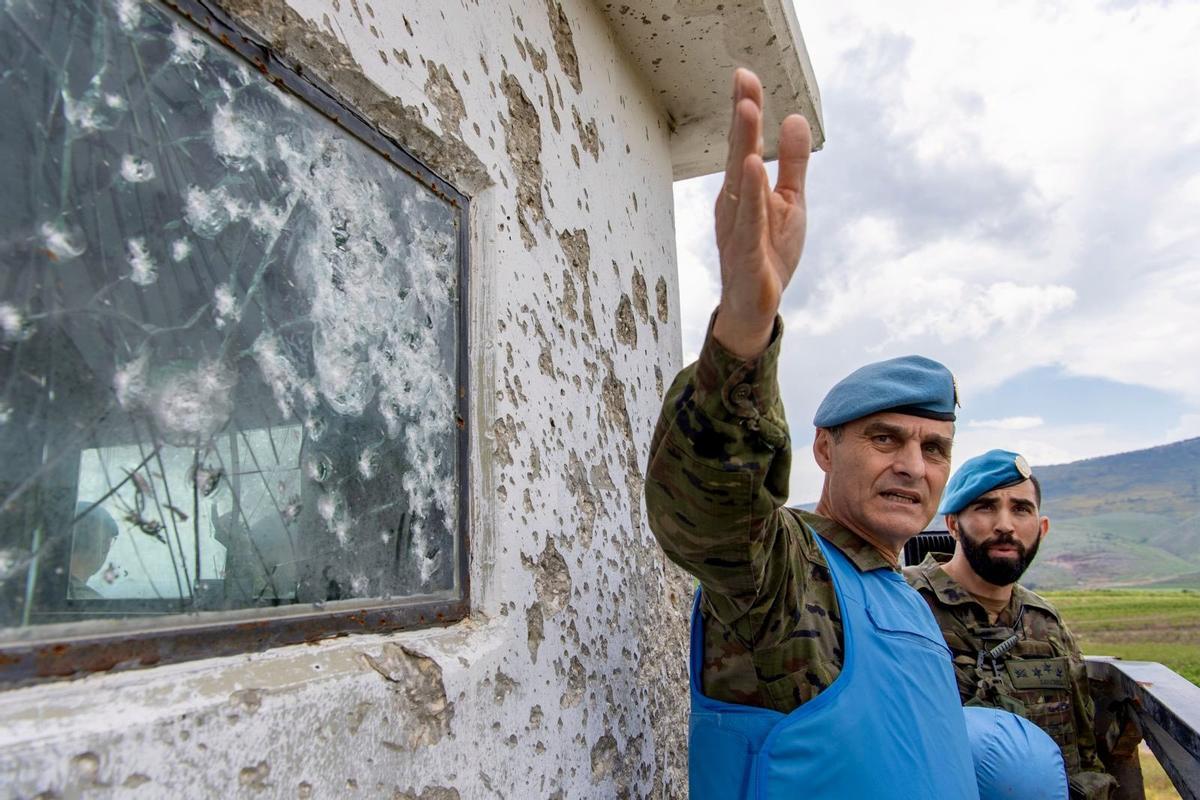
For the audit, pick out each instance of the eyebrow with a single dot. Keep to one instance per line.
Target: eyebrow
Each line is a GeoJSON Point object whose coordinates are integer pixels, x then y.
{"type": "Point", "coordinates": [945, 442]}
{"type": "Point", "coordinates": [1017, 501]}
{"type": "Point", "coordinates": [876, 428]}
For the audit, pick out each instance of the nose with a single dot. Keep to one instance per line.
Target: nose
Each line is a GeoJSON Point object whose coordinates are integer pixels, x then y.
{"type": "Point", "coordinates": [1004, 521]}
{"type": "Point", "coordinates": [910, 460]}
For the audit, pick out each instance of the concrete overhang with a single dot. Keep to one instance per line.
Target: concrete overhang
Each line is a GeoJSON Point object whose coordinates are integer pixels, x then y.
{"type": "Point", "coordinates": [688, 49]}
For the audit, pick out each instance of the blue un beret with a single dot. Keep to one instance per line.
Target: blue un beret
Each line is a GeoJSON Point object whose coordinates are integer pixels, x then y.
{"type": "Point", "coordinates": [994, 469]}
{"type": "Point", "coordinates": [908, 385]}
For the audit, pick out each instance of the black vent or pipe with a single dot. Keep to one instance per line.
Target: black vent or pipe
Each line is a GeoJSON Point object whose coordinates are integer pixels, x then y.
{"type": "Point", "coordinates": [926, 542]}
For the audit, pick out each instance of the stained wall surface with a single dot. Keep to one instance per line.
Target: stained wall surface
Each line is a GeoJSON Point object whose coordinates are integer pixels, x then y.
{"type": "Point", "coordinates": [568, 679]}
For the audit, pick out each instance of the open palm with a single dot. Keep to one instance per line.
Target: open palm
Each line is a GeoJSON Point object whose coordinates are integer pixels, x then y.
{"type": "Point", "coordinates": [760, 230]}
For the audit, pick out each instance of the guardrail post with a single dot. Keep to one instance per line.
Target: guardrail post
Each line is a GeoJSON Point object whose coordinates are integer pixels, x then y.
{"type": "Point", "coordinates": [1136, 699]}
{"type": "Point", "coordinates": [1117, 738]}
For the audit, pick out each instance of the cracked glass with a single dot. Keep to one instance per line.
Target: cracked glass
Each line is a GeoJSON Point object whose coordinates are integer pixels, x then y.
{"type": "Point", "coordinates": [229, 335]}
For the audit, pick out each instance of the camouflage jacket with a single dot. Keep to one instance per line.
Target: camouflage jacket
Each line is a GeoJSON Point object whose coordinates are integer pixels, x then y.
{"type": "Point", "coordinates": [1042, 677]}
{"type": "Point", "coordinates": [715, 487]}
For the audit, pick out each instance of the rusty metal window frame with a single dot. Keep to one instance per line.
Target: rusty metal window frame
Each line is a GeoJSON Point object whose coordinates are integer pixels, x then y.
{"type": "Point", "coordinates": [130, 643]}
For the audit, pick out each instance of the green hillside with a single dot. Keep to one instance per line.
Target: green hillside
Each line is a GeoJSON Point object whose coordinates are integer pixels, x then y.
{"type": "Point", "coordinates": [1160, 480]}
{"type": "Point", "coordinates": [1131, 519]}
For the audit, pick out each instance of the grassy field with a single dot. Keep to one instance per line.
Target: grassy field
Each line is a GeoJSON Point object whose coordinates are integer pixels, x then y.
{"type": "Point", "coordinates": [1154, 779]}
{"type": "Point", "coordinates": [1143, 625]}
{"type": "Point", "coordinates": [1137, 624]}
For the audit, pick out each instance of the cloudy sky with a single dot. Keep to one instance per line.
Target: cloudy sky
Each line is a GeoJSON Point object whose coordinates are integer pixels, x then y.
{"type": "Point", "coordinates": [1012, 188]}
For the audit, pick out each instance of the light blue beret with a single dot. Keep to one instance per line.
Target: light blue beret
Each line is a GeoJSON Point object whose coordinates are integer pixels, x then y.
{"type": "Point", "coordinates": [978, 476]}
{"type": "Point", "coordinates": [908, 385]}
{"type": "Point", "coordinates": [1014, 759]}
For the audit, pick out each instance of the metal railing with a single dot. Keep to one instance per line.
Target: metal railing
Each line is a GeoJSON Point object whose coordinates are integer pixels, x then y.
{"type": "Point", "coordinates": [1143, 700]}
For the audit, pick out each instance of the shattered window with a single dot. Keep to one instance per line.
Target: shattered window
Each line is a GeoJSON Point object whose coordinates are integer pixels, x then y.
{"type": "Point", "coordinates": [230, 335]}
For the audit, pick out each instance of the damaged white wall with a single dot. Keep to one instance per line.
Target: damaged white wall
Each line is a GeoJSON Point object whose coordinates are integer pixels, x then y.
{"type": "Point", "coordinates": [569, 678]}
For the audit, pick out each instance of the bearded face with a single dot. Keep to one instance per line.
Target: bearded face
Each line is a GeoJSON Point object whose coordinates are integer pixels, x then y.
{"type": "Point", "coordinates": [1000, 531]}
{"type": "Point", "coordinates": [1000, 559]}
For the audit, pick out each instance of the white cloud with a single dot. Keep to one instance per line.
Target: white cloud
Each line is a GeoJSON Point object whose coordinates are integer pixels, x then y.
{"type": "Point", "coordinates": [1008, 423]}
{"type": "Point", "coordinates": [1099, 139]}
{"type": "Point", "coordinates": [1052, 85]}
{"type": "Point", "coordinates": [912, 306]}
{"type": "Point", "coordinates": [1188, 428]}
{"type": "Point", "coordinates": [1006, 185]}
{"type": "Point", "coordinates": [1047, 445]}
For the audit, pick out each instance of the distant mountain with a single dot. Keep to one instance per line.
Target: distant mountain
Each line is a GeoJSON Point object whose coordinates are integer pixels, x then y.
{"type": "Point", "coordinates": [1161, 480]}
{"type": "Point", "coordinates": [1130, 519]}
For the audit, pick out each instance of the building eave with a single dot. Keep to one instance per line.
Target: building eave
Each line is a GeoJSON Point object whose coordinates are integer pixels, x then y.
{"type": "Point", "coordinates": [687, 51]}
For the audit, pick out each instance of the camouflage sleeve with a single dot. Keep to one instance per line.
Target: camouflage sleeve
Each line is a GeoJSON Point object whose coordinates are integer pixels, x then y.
{"type": "Point", "coordinates": [718, 476]}
{"type": "Point", "coordinates": [1092, 782]}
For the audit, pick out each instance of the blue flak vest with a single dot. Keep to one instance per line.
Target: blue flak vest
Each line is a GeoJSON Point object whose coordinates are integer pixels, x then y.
{"type": "Point", "coordinates": [890, 726]}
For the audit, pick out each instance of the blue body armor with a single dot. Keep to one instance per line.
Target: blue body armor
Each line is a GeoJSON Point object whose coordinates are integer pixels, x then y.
{"type": "Point", "coordinates": [890, 725]}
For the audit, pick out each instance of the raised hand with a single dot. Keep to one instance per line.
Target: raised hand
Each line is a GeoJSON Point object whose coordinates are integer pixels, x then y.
{"type": "Point", "coordinates": [760, 231]}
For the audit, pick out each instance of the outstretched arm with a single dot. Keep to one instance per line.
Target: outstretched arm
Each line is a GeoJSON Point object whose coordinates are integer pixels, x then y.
{"type": "Point", "coordinates": [719, 461]}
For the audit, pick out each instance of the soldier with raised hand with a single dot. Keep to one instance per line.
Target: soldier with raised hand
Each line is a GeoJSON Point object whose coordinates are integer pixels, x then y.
{"type": "Point", "coordinates": [1011, 648]}
{"type": "Point", "coordinates": [815, 670]}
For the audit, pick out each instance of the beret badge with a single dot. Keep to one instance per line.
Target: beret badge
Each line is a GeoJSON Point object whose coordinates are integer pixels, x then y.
{"type": "Point", "coordinates": [1022, 466]}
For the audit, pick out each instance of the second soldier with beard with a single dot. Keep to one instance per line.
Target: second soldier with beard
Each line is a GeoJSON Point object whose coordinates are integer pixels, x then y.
{"type": "Point", "coordinates": [1011, 648]}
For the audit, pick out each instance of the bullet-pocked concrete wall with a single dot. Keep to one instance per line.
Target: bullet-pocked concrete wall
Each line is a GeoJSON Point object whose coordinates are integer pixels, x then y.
{"type": "Point", "coordinates": [569, 679]}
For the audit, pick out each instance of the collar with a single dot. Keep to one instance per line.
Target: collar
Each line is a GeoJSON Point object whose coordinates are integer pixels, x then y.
{"type": "Point", "coordinates": [950, 592]}
{"type": "Point", "coordinates": [863, 555]}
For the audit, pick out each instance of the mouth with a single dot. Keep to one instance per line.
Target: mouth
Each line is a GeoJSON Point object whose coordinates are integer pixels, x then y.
{"type": "Point", "coordinates": [902, 497]}
{"type": "Point", "coordinates": [1004, 550]}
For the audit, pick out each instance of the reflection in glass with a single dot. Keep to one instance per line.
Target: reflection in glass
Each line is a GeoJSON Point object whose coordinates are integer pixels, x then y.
{"type": "Point", "coordinates": [228, 334]}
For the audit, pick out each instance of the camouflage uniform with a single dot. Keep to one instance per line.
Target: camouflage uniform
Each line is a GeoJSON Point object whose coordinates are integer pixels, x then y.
{"type": "Point", "coordinates": [1042, 677]}
{"type": "Point", "coordinates": [715, 486]}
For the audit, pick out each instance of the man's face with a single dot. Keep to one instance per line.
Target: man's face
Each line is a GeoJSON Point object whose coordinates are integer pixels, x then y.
{"type": "Point", "coordinates": [885, 474]}
{"type": "Point", "coordinates": [1000, 532]}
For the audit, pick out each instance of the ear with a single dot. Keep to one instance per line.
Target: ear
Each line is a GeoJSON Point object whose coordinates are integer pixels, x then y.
{"type": "Point", "coordinates": [823, 449]}
{"type": "Point", "coordinates": [952, 525]}
{"type": "Point", "coordinates": [1043, 528]}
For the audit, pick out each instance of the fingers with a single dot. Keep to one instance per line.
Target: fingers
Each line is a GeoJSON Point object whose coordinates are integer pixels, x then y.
{"type": "Point", "coordinates": [795, 146]}
{"type": "Point", "coordinates": [746, 140]}
{"type": "Point", "coordinates": [745, 128]}
{"type": "Point", "coordinates": [752, 205]}
{"type": "Point", "coordinates": [743, 132]}
{"type": "Point", "coordinates": [747, 85]}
